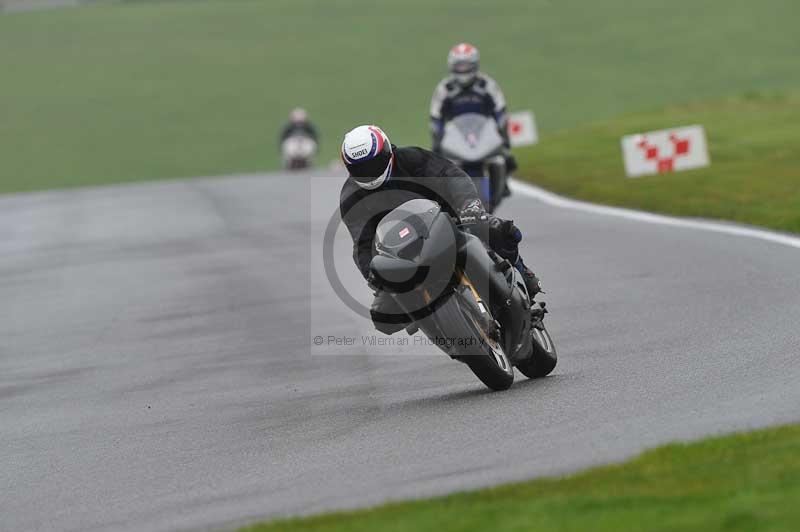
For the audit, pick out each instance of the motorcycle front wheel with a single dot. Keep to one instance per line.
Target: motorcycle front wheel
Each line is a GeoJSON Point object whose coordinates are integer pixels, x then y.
{"type": "Point", "coordinates": [543, 358]}
{"type": "Point", "coordinates": [475, 346]}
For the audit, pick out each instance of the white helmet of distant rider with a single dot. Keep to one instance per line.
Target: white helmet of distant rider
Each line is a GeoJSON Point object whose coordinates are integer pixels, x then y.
{"type": "Point", "coordinates": [367, 154]}
{"type": "Point", "coordinates": [298, 115]}
{"type": "Point", "coordinates": [463, 62]}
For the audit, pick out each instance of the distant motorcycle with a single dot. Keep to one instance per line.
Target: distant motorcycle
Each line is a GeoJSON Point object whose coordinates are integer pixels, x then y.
{"type": "Point", "coordinates": [473, 143]}
{"type": "Point", "coordinates": [298, 152]}
{"type": "Point", "coordinates": [467, 300]}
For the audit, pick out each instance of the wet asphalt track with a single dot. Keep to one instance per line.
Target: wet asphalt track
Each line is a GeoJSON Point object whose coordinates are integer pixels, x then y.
{"type": "Point", "coordinates": [157, 370]}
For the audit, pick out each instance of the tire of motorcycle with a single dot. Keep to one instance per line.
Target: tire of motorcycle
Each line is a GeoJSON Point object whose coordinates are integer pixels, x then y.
{"type": "Point", "coordinates": [543, 358]}
{"type": "Point", "coordinates": [298, 164]}
{"type": "Point", "coordinates": [497, 179]}
{"type": "Point", "coordinates": [485, 357]}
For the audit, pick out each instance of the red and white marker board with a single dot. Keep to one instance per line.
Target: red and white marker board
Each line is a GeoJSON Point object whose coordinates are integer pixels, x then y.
{"type": "Point", "coordinates": [666, 150]}
{"type": "Point", "coordinates": [522, 129]}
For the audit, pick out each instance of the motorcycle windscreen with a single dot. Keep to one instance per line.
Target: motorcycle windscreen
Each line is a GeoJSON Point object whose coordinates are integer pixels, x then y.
{"type": "Point", "coordinates": [400, 233]}
{"type": "Point", "coordinates": [471, 137]}
{"type": "Point", "coordinates": [422, 242]}
{"type": "Point", "coordinates": [298, 146]}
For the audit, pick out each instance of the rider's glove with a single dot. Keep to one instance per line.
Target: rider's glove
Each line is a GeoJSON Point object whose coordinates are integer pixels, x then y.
{"type": "Point", "coordinates": [511, 164]}
{"type": "Point", "coordinates": [472, 213]}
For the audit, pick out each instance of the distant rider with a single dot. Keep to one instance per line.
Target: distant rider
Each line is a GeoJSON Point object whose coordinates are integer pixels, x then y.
{"type": "Point", "coordinates": [298, 124]}
{"type": "Point", "coordinates": [468, 90]}
{"type": "Point", "coordinates": [383, 177]}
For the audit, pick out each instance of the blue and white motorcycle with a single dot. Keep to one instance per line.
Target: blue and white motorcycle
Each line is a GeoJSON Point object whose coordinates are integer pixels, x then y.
{"type": "Point", "coordinates": [473, 143]}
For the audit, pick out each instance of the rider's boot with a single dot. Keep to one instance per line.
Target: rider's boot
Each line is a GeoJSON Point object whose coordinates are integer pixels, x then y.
{"type": "Point", "coordinates": [532, 283]}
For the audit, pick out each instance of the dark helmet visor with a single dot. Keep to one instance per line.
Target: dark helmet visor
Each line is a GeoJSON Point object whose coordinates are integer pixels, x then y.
{"type": "Point", "coordinates": [464, 67]}
{"type": "Point", "coordinates": [366, 171]}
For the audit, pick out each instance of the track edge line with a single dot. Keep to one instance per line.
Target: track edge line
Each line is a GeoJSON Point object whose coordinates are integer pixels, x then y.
{"type": "Point", "coordinates": [555, 200]}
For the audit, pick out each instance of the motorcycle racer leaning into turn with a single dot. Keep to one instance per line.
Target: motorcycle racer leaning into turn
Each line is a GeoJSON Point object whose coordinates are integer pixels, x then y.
{"type": "Point", "coordinates": [382, 177]}
{"type": "Point", "coordinates": [468, 90]}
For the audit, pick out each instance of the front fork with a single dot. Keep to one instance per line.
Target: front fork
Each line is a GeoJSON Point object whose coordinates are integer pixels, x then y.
{"type": "Point", "coordinates": [470, 296]}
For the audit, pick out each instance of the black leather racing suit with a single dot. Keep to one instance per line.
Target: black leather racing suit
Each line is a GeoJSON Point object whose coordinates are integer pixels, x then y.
{"type": "Point", "coordinates": [416, 173]}
{"type": "Point", "coordinates": [298, 128]}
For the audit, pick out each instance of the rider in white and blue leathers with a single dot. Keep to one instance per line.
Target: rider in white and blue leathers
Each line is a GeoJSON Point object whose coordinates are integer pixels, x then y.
{"type": "Point", "coordinates": [468, 90]}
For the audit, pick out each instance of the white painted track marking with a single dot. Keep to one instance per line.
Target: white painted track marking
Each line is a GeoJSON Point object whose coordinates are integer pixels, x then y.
{"type": "Point", "coordinates": [640, 216]}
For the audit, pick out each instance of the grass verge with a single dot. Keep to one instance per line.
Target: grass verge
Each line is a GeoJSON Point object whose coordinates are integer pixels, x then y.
{"type": "Point", "coordinates": [754, 175]}
{"type": "Point", "coordinates": [748, 481]}
{"type": "Point", "coordinates": [145, 90]}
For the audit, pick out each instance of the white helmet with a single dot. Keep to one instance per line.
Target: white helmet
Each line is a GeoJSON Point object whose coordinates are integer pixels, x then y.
{"type": "Point", "coordinates": [298, 115]}
{"type": "Point", "coordinates": [367, 154]}
{"type": "Point", "coordinates": [463, 62]}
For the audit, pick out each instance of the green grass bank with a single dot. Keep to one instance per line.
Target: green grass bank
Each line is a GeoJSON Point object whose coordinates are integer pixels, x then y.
{"type": "Point", "coordinates": [754, 176]}
{"type": "Point", "coordinates": [146, 90]}
{"type": "Point", "coordinates": [743, 482]}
